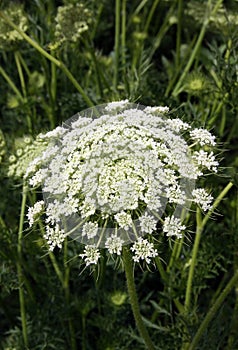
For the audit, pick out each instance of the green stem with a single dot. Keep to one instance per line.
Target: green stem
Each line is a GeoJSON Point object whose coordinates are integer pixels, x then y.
{"type": "Point", "coordinates": [128, 264]}
{"type": "Point", "coordinates": [50, 58]}
{"type": "Point", "coordinates": [193, 260]}
{"type": "Point", "coordinates": [173, 255]}
{"type": "Point", "coordinates": [197, 45]}
{"type": "Point", "coordinates": [163, 30]}
{"type": "Point", "coordinates": [212, 312]}
{"type": "Point", "coordinates": [161, 269]}
{"type": "Point", "coordinates": [19, 268]}
{"type": "Point", "coordinates": [200, 226]}
{"type": "Point", "coordinates": [53, 83]}
{"type": "Point", "coordinates": [67, 297]}
{"type": "Point", "coordinates": [23, 63]}
{"type": "Point", "coordinates": [52, 258]}
{"type": "Point", "coordinates": [234, 321]}
{"type": "Point", "coordinates": [151, 13]}
{"type": "Point", "coordinates": [176, 72]}
{"type": "Point", "coordinates": [123, 35]}
{"type": "Point", "coordinates": [64, 279]}
{"type": "Point", "coordinates": [117, 42]}
{"type": "Point", "coordinates": [23, 87]}
{"type": "Point", "coordinates": [11, 84]}
{"type": "Point", "coordinates": [20, 73]}
{"type": "Point", "coordinates": [216, 203]}
{"type": "Point", "coordinates": [89, 45]}
{"type": "Point", "coordinates": [178, 34]}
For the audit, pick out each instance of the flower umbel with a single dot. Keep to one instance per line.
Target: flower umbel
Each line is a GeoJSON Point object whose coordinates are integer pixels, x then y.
{"type": "Point", "coordinates": [34, 212]}
{"type": "Point", "coordinates": [108, 174]}
{"type": "Point", "coordinates": [173, 227]}
{"type": "Point", "coordinates": [90, 255]}
{"type": "Point", "coordinates": [143, 250]}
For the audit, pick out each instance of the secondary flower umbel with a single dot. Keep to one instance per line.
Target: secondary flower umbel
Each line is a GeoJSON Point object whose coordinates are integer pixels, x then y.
{"type": "Point", "coordinates": [108, 174]}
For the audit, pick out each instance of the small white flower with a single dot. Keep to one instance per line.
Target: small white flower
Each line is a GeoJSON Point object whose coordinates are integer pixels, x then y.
{"type": "Point", "coordinates": [206, 159]}
{"type": "Point", "coordinates": [157, 109]}
{"type": "Point", "coordinates": [34, 212]}
{"type": "Point", "coordinates": [173, 227]}
{"type": "Point", "coordinates": [114, 244]}
{"type": "Point", "coordinates": [143, 250]}
{"type": "Point", "coordinates": [203, 137]}
{"type": "Point", "coordinates": [124, 220]}
{"type": "Point", "coordinates": [90, 229]}
{"type": "Point", "coordinates": [175, 194]}
{"type": "Point", "coordinates": [147, 223]}
{"type": "Point", "coordinates": [88, 208]}
{"type": "Point", "coordinates": [38, 178]}
{"type": "Point", "coordinates": [178, 125]}
{"type": "Point", "coordinates": [90, 255]}
{"type": "Point", "coordinates": [116, 105]}
{"type": "Point", "coordinates": [202, 198]}
{"type": "Point", "coordinates": [54, 237]}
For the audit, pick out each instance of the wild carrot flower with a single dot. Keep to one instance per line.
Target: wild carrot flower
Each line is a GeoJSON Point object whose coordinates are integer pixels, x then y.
{"type": "Point", "coordinates": [109, 172]}
{"type": "Point", "coordinates": [72, 21]}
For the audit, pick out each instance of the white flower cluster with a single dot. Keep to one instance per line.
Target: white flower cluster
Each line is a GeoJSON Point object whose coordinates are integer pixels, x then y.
{"type": "Point", "coordinates": [90, 255]}
{"type": "Point", "coordinates": [173, 227]}
{"type": "Point", "coordinates": [34, 212]}
{"type": "Point", "coordinates": [203, 136]}
{"type": "Point", "coordinates": [202, 198]}
{"type": "Point", "coordinates": [108, 174]}
{"type": "Point", "coordinates": [143, 250]}
{"type": "Point", "coordinates": [54, 236]}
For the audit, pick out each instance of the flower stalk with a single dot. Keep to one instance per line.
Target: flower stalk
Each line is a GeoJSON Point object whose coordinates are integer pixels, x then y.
{"type": "Point", "coordinates": [128, 265]}
{"type": "Point", "coordinates": [19, 268]}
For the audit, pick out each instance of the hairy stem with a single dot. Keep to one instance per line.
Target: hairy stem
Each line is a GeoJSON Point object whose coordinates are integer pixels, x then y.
{"type": "Point", "coordinates": [128, 264]}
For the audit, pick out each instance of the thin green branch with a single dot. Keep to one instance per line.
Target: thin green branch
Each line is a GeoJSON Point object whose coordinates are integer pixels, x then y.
{"type": "Point", "coordinates": [11, 84]}
{"type": "Point", "coordinates": [117, 42]}
{"type": "Point", "coordinates": [20, 73]}
{"type": "Point", "coordinates": [193, 260]}
{"type": "Point", "coordinates": [123, 35]}
{"type": "Point", "coordinates": [178, 34]}
{"type": "Point", "coordinates": [150, 15]}
{"type": "Point", "coordinates": [19, 268]}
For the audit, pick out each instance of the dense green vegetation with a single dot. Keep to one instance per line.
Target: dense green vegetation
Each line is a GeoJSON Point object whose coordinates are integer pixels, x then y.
{"type": "Point", "coordinates": [60, 57]}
